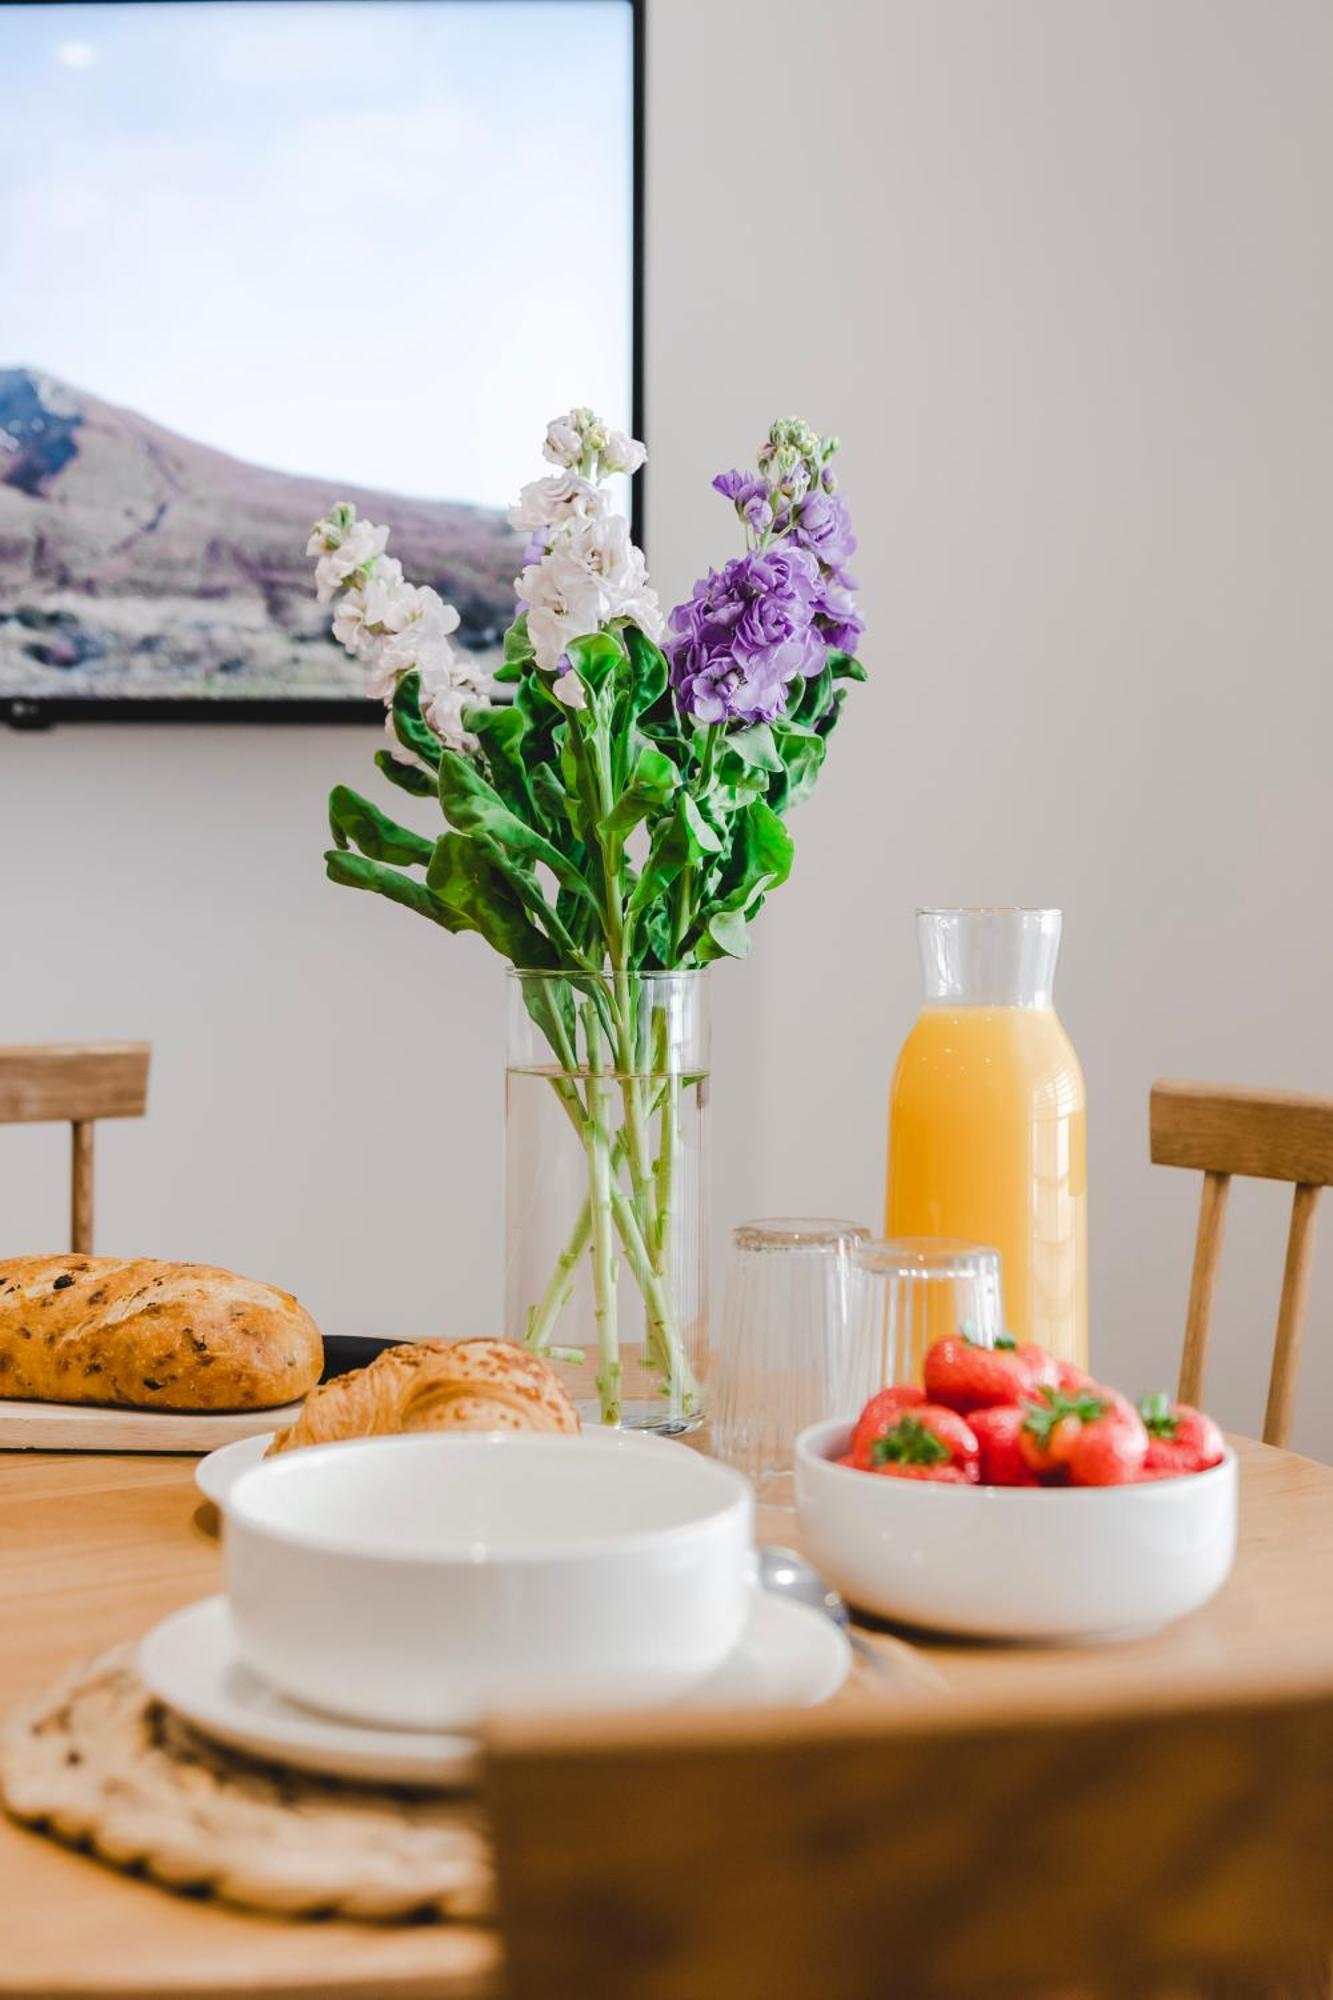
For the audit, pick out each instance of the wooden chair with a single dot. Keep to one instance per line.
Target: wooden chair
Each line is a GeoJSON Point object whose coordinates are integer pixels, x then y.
{"type": "Point", "coordinates": [77, 1083]}
{"type": "Point", "coordinates": [1269, 1134]}
{"type": "Point", "coordinates": [1094, 1844]}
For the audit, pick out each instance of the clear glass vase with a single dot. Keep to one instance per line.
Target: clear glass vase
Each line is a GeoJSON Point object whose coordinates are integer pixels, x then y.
{"type": "Point", "coordinates": [606, 1189]}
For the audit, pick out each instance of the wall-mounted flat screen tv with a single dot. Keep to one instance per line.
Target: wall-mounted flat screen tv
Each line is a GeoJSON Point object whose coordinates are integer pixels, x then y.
{"type": "Point", "coordinates": [262, 255]}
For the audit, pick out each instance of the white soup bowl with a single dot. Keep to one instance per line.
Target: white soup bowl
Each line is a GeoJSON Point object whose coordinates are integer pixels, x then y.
{"type": "Point", "coordinates": [422, 1581]}
{"type": "Point", "coordinates": [1015, 1562]}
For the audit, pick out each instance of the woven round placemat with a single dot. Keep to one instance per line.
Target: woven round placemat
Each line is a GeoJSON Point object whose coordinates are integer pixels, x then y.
{"type": "Point", "coordinates": [97, 1762]}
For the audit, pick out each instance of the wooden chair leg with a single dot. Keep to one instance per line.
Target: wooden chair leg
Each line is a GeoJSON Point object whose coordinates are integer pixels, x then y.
{"type": "Point", "coordinates": [1291, 1314]}
{"type": "Point", "coordinates": [81, 1189]}
{"type": "Point", "coordinates": [1203, 1284]}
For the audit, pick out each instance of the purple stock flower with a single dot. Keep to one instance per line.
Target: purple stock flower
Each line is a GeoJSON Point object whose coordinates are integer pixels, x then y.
{"type": "Point", "coordinates": [746, 631]}
{"type": "Point", "coordinates": [749, 495]}
{"type": "Point", "coordinates": [835, 614]}
{"type": "Point", "coordinates": [822, 524]}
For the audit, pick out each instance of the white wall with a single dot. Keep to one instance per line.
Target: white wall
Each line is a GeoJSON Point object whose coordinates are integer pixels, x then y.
{"type": "Point", "coordinates": [1058, 271]}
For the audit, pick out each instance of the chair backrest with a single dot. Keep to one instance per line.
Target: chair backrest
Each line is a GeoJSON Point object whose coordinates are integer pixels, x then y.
{"type": "Point", "coordinates": [1266, 1134]}
{"type": "Point", "coordinates": [1126, 1846]}
{"type": "Point", "coordinates": [75, 1083]}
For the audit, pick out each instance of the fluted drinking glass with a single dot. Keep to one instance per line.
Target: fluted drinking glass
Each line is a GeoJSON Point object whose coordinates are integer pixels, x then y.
{"type": "Point", "coordinates": [909, 1291]}
{"type": "Point", "coordinates": [787, 1353]}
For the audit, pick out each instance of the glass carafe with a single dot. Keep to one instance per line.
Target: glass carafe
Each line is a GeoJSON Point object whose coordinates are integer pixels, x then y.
{"type": "Point", "coordinates": [987, 1123]}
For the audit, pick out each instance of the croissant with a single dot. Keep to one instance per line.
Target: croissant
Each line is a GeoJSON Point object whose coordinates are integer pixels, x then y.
{"type": "Point", "coordinates": [435, 1385]}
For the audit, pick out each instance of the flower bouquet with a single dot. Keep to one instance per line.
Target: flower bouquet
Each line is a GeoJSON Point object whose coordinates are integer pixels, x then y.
{"type": "Point", "coordinates": [615, 793]}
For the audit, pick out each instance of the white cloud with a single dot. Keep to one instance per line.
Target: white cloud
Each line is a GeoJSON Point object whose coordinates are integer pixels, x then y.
{"type": "Point", "coordinates": [78, 55]}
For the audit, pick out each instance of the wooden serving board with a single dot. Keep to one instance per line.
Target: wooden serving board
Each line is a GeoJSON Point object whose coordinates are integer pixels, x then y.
{"type": "Point", "coordinates": [85, 1427]}
{"type": "Point", "coordinates": [89, 1427]}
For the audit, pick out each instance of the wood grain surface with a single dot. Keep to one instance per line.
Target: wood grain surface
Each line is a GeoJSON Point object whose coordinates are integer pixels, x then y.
{"type": "Point", "coordinates": [94, 1427]}
{"type": "Point", "coordinates": [73, 1081]}
{"type": "Point", "coordinates": [95, 1550]}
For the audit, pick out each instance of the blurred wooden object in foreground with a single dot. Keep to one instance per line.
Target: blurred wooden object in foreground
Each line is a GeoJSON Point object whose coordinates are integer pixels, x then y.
{"type": "Point", "coordinates": [1148, 1848]}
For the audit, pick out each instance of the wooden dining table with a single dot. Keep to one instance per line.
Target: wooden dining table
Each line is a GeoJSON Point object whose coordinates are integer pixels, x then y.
{"type": "Point", "coordinates": [95, 1549]}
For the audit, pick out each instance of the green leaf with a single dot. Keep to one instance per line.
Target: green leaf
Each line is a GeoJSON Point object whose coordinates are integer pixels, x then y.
{"type": "Point", "coordinates": [648, 675]}
{"type": "Point", "coordinates": [472, 805]}
{"type": "Point", "coordinates": [705, 838]}
{"type": "Point", "coordinates": [759, 860]}
{"type": "Point", "coordinates": [517, 645]}
{"type": "Point", "coordinates": [845, 667]}
{"type": "Point", "coordinates": [356, 821]}
{"type": "Point", "coordinates": [408, 777]}
{"type": "Point", "coordinates": [408, 726]}
{"type": "Point", "coordinates": [802, 755]}
{"type": "Point", "coordinates": [729, 931]}
{"type": "Point", "coordinates": [354, 871]}
{"type": "Point", "coordinates": [467, 882]}
{"type": "Point", "coordinates": [596, 658]}
{"type": "Point", "coordinates": [755, 747]}
{"type": "Point", "coordinates": [684, 838]}
{"type": "Point", "coordinates": [814, 698]}
{"type": "Point", "coordinates": [653, 781]}
{"type": "Point", "coordinates": [501, 734]}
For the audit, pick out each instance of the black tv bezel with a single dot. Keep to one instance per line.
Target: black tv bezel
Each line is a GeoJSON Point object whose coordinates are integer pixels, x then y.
{"type": "Point", "coordinates": [26, 712]}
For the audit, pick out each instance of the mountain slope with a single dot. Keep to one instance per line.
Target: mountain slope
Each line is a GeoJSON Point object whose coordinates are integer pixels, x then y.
{"type": "Point", "coordinates": [136, 562]}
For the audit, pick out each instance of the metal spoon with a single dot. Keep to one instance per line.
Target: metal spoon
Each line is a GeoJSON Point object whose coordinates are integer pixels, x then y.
{"type": "Point", "coordinates": [787, 1574]}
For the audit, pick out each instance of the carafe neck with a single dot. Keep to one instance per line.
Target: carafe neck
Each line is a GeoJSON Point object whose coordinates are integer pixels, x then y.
{"type": "Point", "coordinates": [989, 958]}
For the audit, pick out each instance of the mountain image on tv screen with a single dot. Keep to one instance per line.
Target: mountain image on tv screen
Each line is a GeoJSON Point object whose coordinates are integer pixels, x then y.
{"type": "Point", "coordinates": [260, 259]}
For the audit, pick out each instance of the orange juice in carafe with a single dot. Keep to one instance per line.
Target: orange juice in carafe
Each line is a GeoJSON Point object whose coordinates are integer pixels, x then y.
{"type": "Point", "coordinates": [987, 1123]}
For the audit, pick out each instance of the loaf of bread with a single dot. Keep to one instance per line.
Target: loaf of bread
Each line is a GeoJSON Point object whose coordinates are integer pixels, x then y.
{"type": "Point", "coordinates": [435, 1385]}
{"type": "Point", "coordinates": [151, 1336]}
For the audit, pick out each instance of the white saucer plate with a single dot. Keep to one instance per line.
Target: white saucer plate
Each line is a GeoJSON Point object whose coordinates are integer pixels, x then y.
{"type": "Point", "coordinates": [789, 1656]}
{"type": "Point", "coordinates": [217, 1474]}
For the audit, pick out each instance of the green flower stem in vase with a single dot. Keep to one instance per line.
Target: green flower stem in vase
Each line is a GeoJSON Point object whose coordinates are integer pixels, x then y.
{"type": "Point", "coordinates": [596, 1162]}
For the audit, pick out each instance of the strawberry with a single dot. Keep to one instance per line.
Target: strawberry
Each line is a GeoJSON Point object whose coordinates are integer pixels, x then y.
{"type": "Point", "coordinates": [997, 1432]}
{"type": "Point", "coordinates": [1095, 1435]}
{"type": "Point", "coordinates": [880, 1414]}
{"type": "Point", "coordinates": [965, 1376]}
{"type": "Point", "coordinates": [1071, 1378]}
{"type": "Point", "coordinates": [1180, 1439]}
{"type": "Point", "coordinates": [926, 1442]}
{"type": "Point", "coordinates": [938, 1475]}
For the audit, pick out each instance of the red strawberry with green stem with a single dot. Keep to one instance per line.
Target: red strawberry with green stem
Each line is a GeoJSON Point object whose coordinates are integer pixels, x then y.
{"type": "Point", "coordinates": [927, 1442]}
{"type": "Point", "coordinates": [965, 1375]}
{"type": "Point", "coordinates": [1001, 1462]}
{"type": "Point", "coordinates": [880, 1414]}
{"type": "Point", "coordinates": [1180, 1439]}
{"type": "Point", "coordinates": [1093, 1435]}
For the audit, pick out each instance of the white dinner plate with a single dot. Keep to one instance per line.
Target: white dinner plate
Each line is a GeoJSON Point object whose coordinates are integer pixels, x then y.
{"type": "Point", "coordinates": [789, 1656]}
{"type": "Point", "coordinates": [217, 1474]}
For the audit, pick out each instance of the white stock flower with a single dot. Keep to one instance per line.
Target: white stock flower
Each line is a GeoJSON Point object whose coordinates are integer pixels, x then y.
{"type": "Point", "coordinates": [622, 453]}
{"type": "Point", "coordinates": [550, 633]}
{"type": "Point", "coordinates": [592, 574]}
{"type": "Point", "coordinates": [644, 610]}
{"type": "Point", "coordinates": [553, 502]}
{"type": "Point", "coordinates": [570, 690]}
{"type": "Point", "coordinates": [443, 716]}
{"type": "Point", "coordinates": [564, 443]}
{"type": "Point", "coordinates": [361, 545]}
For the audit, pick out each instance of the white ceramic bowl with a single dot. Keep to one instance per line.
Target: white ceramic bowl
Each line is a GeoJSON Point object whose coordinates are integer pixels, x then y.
{"type": "Point", "coordinates": [425, 1580]}
{"type": "Point", "coordinates": [1015, 1562]}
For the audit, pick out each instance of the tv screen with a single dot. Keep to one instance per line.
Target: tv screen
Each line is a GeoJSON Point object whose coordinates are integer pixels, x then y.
{"type": "Point", "coordinates": [263, 255]}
